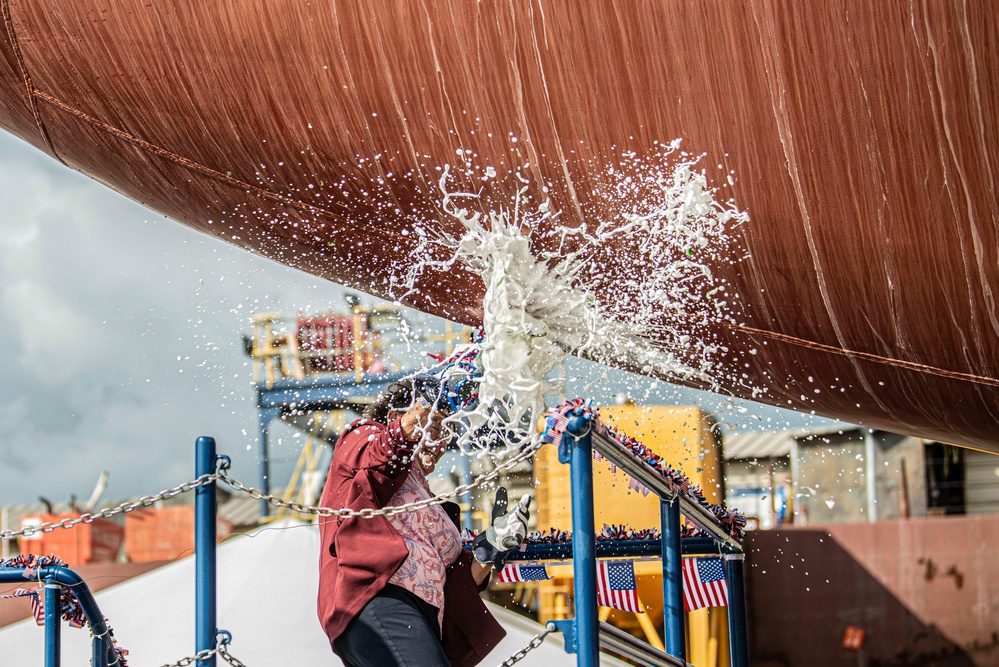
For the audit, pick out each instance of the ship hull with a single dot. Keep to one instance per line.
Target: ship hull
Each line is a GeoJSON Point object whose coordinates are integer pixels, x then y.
{"type": "Point", "coordinates": [860, 137]}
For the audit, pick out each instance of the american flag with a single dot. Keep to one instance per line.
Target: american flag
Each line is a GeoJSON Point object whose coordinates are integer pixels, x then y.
{"type": "Point", "coordinates": [513, 573]}
{"type": "Point", "coordinates": [637, 486]}
{"type": "Point", "coordinates": [616, 586]}
{"type": "Point", "coordinates": [704, 583]}
{"type": "Point", "coordinates": [555, 427]}
{"type": "Point", "coordinates": [36, 605]}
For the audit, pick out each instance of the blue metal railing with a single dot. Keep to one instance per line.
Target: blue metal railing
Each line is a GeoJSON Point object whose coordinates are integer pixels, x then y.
{"type": "Point", "coordinates": [205, 460]}
{"type": "Point", "coordinates": [583, 634]}
{"type": "Point", "coordinates": [55, 581]}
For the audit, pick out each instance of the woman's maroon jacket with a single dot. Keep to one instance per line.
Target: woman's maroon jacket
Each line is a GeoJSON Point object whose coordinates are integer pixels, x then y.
{"type": "Point", "coordinates": [358, 556]}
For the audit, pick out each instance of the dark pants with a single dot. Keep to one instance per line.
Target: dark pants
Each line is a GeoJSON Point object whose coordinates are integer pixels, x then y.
{"type": "Point", "coordinates": [395, 629]}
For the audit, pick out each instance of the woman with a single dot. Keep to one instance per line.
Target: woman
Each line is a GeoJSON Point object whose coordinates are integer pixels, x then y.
{"type": "Point", "coordinates": [400, 590]}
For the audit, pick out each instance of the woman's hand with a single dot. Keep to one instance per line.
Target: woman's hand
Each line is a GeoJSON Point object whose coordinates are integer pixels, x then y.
{"type": "Point", "coordinates": [507, 531]}
{"type": "Point", "coordinates": [419, 421]}
{"type": "Point", "coordinates": [481, 571]}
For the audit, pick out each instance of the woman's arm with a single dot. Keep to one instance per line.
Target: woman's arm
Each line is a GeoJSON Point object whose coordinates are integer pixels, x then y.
{"type": "Point", "coordinates": [387, 449]}
{"type": "Point", "coordinates": [480, 572]}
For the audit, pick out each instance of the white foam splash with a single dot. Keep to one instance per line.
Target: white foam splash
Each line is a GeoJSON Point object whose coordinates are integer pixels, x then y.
{"type": "Point", "coordinates": [668, 229]}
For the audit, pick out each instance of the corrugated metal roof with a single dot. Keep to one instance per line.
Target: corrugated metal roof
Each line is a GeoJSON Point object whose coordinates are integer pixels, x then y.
{"type": "Point", "coordinates": [764, 444]}
{"type": "Point", "coordinates": [242, 510]}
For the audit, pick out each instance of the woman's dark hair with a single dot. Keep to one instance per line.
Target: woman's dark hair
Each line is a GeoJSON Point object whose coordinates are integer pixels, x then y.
{"type": "Point", "coordinates": [397, 396]}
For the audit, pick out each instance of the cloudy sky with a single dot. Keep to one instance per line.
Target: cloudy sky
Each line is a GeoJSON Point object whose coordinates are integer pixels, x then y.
{"type": "Point", "coordinates": [120, 341]}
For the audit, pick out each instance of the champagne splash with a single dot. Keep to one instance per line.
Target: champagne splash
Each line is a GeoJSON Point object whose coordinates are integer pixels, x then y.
{"type": "Point", "coordinates": [667, 228]}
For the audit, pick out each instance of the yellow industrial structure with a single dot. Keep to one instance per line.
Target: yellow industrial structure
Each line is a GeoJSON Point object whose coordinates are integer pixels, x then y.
{"type": "Point", "coordinates": [688, 439]}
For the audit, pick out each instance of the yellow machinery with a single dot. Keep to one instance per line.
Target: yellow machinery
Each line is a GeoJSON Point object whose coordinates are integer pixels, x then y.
{"type": "Point", "coordinates": [687, 438]}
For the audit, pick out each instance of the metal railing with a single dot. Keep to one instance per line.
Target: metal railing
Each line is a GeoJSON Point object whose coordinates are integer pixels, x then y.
{"type": "Point", "coordinates": [55, 580]}
{"type": "Point", "coordinates": [584, 634]}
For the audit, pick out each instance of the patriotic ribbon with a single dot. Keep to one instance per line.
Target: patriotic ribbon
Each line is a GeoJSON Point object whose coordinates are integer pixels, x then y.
{"type": "Point", "coordinates": [69, 607]}
{"type": "Point", "coordinates": [556, 421]}
{"type": "Point", "coordinates": [732, 520]}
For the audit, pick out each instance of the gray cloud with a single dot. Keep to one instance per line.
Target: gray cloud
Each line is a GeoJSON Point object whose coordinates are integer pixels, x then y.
{"type": "Point", "coordinates": [120, 336]}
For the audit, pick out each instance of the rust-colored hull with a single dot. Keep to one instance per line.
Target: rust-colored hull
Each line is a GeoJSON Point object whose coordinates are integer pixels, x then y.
{"type": "Point", "coordinates": [862, 137]}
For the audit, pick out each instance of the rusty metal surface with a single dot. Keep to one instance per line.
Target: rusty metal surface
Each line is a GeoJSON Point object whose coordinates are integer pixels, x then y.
{"type": "Point", "coordinates": [925, 592]}
{"type": "Point", "coordinates": [861, 134]}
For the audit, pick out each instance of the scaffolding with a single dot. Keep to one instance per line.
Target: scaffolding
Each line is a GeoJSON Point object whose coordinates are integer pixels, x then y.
{"type": "Point", "coordinates": [311, 371]}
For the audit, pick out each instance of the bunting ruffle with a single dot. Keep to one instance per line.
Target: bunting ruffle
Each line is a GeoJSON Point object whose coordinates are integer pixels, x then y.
{"type": "Point", "coordinates": [557, 420]}
{"type": "Point", "coordinates": [69, 607]}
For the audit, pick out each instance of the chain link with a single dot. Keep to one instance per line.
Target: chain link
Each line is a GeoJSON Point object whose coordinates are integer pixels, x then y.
{"type": "Point", "coordinates": [90, 517]}
{"type": "Point", "coordinates": [228, 657]}
{"type": "Point", "coordinates": [221, 649]}
{"type": "Point", "coordinates": [200, 655]}
{"type": "Point", "coordinates": [537, 641]}
{"type": "Point", "coordinates": [368, 513]}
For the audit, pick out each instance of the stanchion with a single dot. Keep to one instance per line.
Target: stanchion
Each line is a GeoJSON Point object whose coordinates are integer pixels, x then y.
{"type": "Point", "coordinates": [53, 640]}
{"type": "Point", "coordinates": [584, 551]}
{"type": "Point", "coordinates": [673, 612]}
{"type": "Point", "coordinates": [204, 550]}
{"type": "Point", "coordinates": [738, 636]}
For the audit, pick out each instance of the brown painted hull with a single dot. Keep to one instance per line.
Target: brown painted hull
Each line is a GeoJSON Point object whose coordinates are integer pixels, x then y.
{"type": "Point", "coordinates": [862, 136]}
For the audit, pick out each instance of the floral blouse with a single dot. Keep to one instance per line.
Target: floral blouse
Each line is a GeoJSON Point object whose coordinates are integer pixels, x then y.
{"type": "Point", "coordinates": [432, 539]}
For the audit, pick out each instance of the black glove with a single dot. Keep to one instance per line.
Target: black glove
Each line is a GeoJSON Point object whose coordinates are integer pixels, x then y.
{"type": "Point", "coordinates": [506, 533]}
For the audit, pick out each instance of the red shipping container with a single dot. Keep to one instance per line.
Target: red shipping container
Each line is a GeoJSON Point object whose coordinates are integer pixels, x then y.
{"type": "Point", "coordinates": [97, 542]}
{"type": "Point", "coordinates": [164, 533]}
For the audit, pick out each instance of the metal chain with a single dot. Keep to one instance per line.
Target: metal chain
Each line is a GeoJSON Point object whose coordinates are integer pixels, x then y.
{"type": "Point", "coordinates": [369, 513]}
{"type": "Point", "coordinates": [531, 645]}
{"type": "Point", "coordinates": [90, 517]}
{"type": "Point", "coordinates": [200, 655]}
{"type": "Point", "coordinates": [222, 476]}
{"type": "Point", "coordinates": [228, 657]}
{"type": "Point", "coordinates": [221, 649]}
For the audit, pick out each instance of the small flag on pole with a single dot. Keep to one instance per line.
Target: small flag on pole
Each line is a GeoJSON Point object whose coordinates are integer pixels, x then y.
{"type": "Point", "coordinates": [616, 586]}
{"type": "Point", "coordinates": [555, 425]}
{"type": "Point", "coordinates": [36, 604]}
{"type": "Point", "coordinates": [637, 486]}
{"type": "Point", "coordinates": [514, 573]}
{"type": "Point", "coordinates": [704, 583]}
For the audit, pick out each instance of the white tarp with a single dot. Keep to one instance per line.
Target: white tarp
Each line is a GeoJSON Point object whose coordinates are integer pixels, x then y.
{"type": "Point", "coordinates": [267, 583]}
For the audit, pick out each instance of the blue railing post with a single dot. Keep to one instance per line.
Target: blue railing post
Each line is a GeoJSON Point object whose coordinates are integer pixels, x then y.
{"type": "Point", "coordinates": [53, 640]}
{"type": "Point", "coordinates": [584, 553]}
{"type": "Point", "coordinates": [673, 612]}
{"type": "Point", "coordinates": [204, 550]}
{"type": "Point", "coordinates": [737, 632]}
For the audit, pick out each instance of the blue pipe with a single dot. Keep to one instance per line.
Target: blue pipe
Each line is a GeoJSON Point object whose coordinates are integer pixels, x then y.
{"type": "Point", "coordinates": [204, 550]}
{"type": "Point", "coordinates": [71, 580]}
{"type": "Point", "coordinates": [673, 611]}
{"type": "Point", "coordinates": [53, 640]}
{"type": "Point", "coordinates": [737, 631]}
{"type": "Point", "coordinates": [583, 546]}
